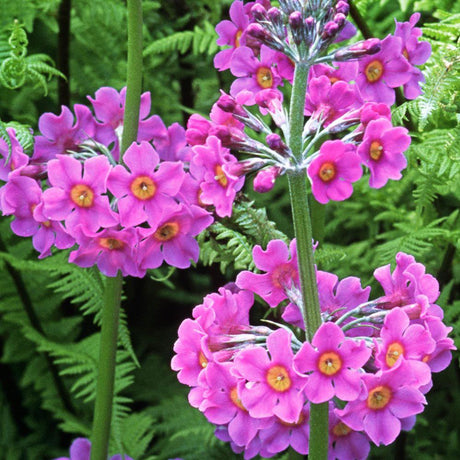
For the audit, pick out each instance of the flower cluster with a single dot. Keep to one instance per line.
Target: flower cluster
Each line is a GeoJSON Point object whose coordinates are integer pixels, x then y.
{"type": "Point", "coordinates": [129, 216]}
{"type": "Point", "coordinates": [371, 360]}
{"type": "Point", "coordinates": [349, 92]}
{"type": "Point", "coordinates": [81, 450]}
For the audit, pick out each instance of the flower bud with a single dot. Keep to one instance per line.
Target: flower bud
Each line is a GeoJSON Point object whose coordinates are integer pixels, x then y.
{"type": "Point", "coordinates": [340, 19]}
{"type": "Point", "coordinates": [258, 12]}
{"type": "Point", "coordinates": [274, 14]}
{"type": "Point", "coordinates": [342, 7]}
{"type": "Point", "coordinates": [275, 142]}
{"type": "Point", "coordinates": [228, 104]}
{"type": "Point", "coordinates": [355, 51]}
{"type": "Point", "coordinates": [265, 179]}
{"type": "Point", "coordinates": [330, 30]}
{"type": "Point", "coordinates": [258, 32]}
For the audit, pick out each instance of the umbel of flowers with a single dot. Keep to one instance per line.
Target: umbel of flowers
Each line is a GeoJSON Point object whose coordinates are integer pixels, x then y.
{"type": "Point", "coordinates": [372, 360]}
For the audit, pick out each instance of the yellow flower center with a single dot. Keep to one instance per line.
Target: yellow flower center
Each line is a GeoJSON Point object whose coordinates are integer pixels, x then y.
{"type": "Point", "coordinates": [299, 421]}
{"type": "Point", "coordinates": [379, 397]}
{"type": "Point", "coordinates": [264, 77]}
{"type": "Point", "coordinates": [220, 176]}
{"type": "Point", "coordinates": [82, 195]}
{"type": "Point", "coordinates": [143, 187]}
{"type": "Point", "coordinates": [235, 399]}
{"type": "Point", "coordinates": [111, 243]}
{"type": "Point", "coordinates": [327, 172]}
{"type": "Point", "coordinates": [278, 378]}
{"type": "Point", "coordinates": [202, 361]}
{"type": "Point", "coordinates": [376, 150]}
{"type": "Point", "coordinates": [405, 54]}
{"type": "Point", "coordinates": [237, 38]}
{"type": "Point", "coordinates": [167, 231]}
{"type": "Point", "coordinates": [329, 363]}
{"type": "Point", "coordinates": [341, 429]}
{"type": "Point", "coordinates": [394, 351]}
{"type": "Point", "coordinates": [374, 71]}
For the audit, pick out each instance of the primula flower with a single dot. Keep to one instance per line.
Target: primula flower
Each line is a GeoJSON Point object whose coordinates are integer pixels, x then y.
{"type": "Point", "coordinates": [81, 450]}
{"type": "Point", "coordinates": [415, 51]}
{"type": "Point", "coordinates": [333, 171]}
{"type": "Point", "coordinates": [345, 443]}
{"type": "Point", "coordinates": [390, 397]}
{"type": "Point", "coordinates": [380, 73]}
{"type": "Point", "coordinates": [61, 135]}
{"type": "Point", "coordinates": [382, 151]}
{"type": "Point", "coordinates": [111, 249]}
{"type": "Point", "coordinates": [171, 239]}
{"type": "Point", "coordinates": [402, 340]}
{"type": "Point", "coordinates": [279, 435]}
{"type": "Point", "coordinates": [253, 74]}
{"type": "Point", "coordinates": [14, 158]}
{"type": "Point", "coordinates": [273, 387]}
{"type": "Point", "coordinates": [191, 356]}
{"type": "Point", "coordinates": [218, 186]}
{"type": "Point", "coordinates": [143, 192]}
{"type": "Point", "coordinates": [407, 281]}
{"type": "Point", "coordinates": [280, 264]}
{"type": "Point", "coordinates": [231, 33]}
{"type": "Point", "coordinates": [333, 362]}
{"type": "Point", "coordinates": [326, 101]}
{"type": "Point", "coordinates": [222, 405]}
{"type": "Point", "coordinates": [79, 200]}
{"type": "Point", "coordinates": [342, 71]}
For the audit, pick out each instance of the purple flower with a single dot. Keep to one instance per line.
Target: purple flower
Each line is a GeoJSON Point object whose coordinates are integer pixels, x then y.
{"type": "Point", "coordinates": [231, 33]}
{"type": "Point", "coordinates": [171, 239]}
{"type": "Point", "coordinates": [191, 356]}
{"type": "Point", "coordinates": [390, 397]}
{"type": "Point", "coordinates": [380, 73]}
{"type": "Point", "coordinates": [218, 186]}
{"type": "Point", "coordinates": [342, 71]}
{"type": "Point", "coordinates": [110, 249]}
{"type": "Point", "coordinates": [79, 200]}
{"type": "Point", "coordinates": [273, 386]}
{"type": "Point", "coordinates": [333, 361]}
{"type": "Point", "coordinates": [382, 151]}
{"type": "Point", "coordinates": [280, 265]}
{"type": "Point", "coordinates": [253, 74]}
{"type": "Point", "coordinates": [143, 192]}
{"type": "Point", "coordinates": [333, 171]}
{"type": "Point", "coordinates": [60, 134]}
{"type": "Point", "coordinates": [81, 450]}
{"type": "Point", "coordinates": [345, 443]}
{"type": "Point", "coordinates": [14, 159]}
{"type": "Point", "coordinates": [326, 101]}
{"type": "Point", "coordinates": [415, 51]}
{"type": "Point", "coordinates": [402, 340]}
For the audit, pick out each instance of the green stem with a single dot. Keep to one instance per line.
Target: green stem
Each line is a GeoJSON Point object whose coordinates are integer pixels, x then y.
{"type": "Point", "coordinates": [113, 287]}
{"type": "Point", "coordinates": [106, 369]}
{"type": "Point", "coordinates": [311, 312]}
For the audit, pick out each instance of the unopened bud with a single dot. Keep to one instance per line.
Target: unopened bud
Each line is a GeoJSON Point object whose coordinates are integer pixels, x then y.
{"type": "Point", "coordinates": [275, 142]}
{"type": "Point", "coordinates": [342, 7]}
{"type": "Point", "coordinates": [258, 12]}
{"type": "Point", "coordinates": [355, 51]}
{"type": "Point", "coordinates": [274, 14]}
{"type": "Point", "coordinates": [340, 19]}
{"type": "Point", "coordinates": [330, 30]}
{"type": "Point", "coordinates": [258, 32]}
{"type": "Point", "coordinates": [228, 104]}
{"type": "Point", "coordinates": [265, 179]}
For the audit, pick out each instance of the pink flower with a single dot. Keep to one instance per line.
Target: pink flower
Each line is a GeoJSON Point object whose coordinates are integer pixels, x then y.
{"type": "Point", "coordinates": [345, 443]}
{"type": "Point", "coordinates": [402, 340]}
{"type": "Point", "coordinates": [81, 450]}
{"type": "Point", "coordinates": [110, 249]}
{"type": "Point", "coordinates": [253, 74]}
{"type": "Point", "coordinates": [415, 51]}
{"type": "Point", "coordinates": [171, 239]}
{"type": "Point", "coordinates": [218, 186]}
{"type": "Point", "coordinates": [273, 387]}
{"type": "Point", "coordinates": [143, 192]}
{"type": "Point", "coordinates": [333, 171]}
{"type": "Point", "coordinates": [61, 135]}
{"type": "Point", "coordinates": [280, 265]}
{"type": "Point", "coordinates": [14, 158]}
{"type": "Point", "coordinates": [327, 101]}
{"type": "Point", "coordinates": [333, 361]}
{"type": "Point", "coordinates": [390, 397]}
{"type": "Point", "coordinates": [231, 33]}
{"type": "Point", "coordinates": [382, 151]}
{"type": "Point", "coordinates": [191, 357]}
{"type": "Point", "coordinates": [380, 73]}
{"type": "Point", "coordinates": [79, 200]}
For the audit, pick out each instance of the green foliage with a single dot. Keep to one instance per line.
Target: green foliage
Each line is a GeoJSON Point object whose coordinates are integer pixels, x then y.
{"type": "Point", "coordinates": [17, 68]}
